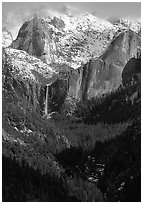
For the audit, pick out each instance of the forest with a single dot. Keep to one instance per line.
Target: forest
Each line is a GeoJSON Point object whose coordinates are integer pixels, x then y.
{"type": "Point", "coordinates": [92, 155]}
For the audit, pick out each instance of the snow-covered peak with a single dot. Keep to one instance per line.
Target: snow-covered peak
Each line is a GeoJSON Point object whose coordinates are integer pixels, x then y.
{"type": "Point", "coordinates": [85, 21]}
{"type": "Point", "coordinates": [26, 67]}
{"type": "Point", "coordinates": [133, 24]}
{"type": "Point", "coordinates": [64, 39]}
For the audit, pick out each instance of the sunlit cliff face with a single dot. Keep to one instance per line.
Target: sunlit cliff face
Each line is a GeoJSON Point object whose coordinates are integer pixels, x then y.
{"type": "Point", "coordinates": [93, 51]}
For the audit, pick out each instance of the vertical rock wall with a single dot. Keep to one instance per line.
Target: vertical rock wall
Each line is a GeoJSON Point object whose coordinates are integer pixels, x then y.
{"type": "Point", "coordinates": [104, 74]}
{"type": "Point", "coordinates": [96, 77]}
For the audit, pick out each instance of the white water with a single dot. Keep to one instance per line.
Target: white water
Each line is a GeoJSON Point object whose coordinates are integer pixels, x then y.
{"type": "Point", "coordinates": [46, 101]}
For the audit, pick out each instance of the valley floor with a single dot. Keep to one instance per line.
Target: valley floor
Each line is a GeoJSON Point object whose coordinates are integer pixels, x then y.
{"type": "Point", "coordinates": [73, 158]}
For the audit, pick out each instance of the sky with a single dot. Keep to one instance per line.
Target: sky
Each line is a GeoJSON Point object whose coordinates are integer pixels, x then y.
{"type": "Point", "coordinates": [14, 14]}
{"type": "Point", "coordinates": [101, 9]}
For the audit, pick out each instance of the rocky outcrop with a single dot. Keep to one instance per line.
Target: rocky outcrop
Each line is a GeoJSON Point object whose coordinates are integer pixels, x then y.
{"type": "Point", "coordinates": [104, 74]}
{"type": "Point", "coordinates": [125, 46]}
{"type": "Point", "coordinates": [26, 77]}
{"type": "Point", "coordinates": [58, 92]}
{"type": "Point", "coordinates": [26, 96]}
{"type": "Point", "coordinates": [98, 76]}
{"type": "Point", "coordinates": [132, 72]}
{"type": "Point", "coordinates": [35, 37]}
{"type": "Point", "coordinates": [39, 85]}
{"type": "Point", "coordinates": [63, 39]}
{"type": "Point", "coordinates": [32, 94]}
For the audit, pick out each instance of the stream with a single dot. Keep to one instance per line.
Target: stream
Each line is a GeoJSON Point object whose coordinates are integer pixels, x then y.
{"type": "Point", "coordinates": [84, 165]}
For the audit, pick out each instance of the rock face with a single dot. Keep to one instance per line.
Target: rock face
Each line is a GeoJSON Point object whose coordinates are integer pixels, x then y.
{"type": "Point", "coordinates": [104, 74]}
{"type": "Point", "coordinates": [26, 77]}
{"type": "Point", "coordinates": [41, 86]}
{"type": "Point", "coordinates": [43, 39]}
{"type": "Point", "coordinates": [58, 92]}
{"type": "Point", "coordinates": [63, 39]}
{"type": "Point", "coordinates": [34, 37]}
{"type": "Point", "coordinates": [132, 71]}
{"type": "Point", "coordinates": [98, 77]}
{"type": "Point", "coordinates": [124, 47]}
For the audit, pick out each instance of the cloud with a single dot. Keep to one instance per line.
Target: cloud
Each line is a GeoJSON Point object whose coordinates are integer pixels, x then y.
{"type": "Point", "coordinates": [70, 10]}
{"type": "Point", "coordinates": [13, 20]}
{"type": "Point", "coordinates": [64, 10]}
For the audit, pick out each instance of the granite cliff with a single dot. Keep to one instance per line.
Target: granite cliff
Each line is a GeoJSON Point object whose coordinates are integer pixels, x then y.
{"type": "Point", "coordinates": [93, 76]}
{"type": "Point", "coordinates": [71, 101]}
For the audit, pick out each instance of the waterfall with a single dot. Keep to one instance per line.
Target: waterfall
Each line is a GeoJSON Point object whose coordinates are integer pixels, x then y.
{"type": "Point", "coordinates": [46, 100]}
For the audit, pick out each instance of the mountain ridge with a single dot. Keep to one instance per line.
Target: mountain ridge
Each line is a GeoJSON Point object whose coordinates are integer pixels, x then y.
{"type": "Point", "coordinates": [71, 110]}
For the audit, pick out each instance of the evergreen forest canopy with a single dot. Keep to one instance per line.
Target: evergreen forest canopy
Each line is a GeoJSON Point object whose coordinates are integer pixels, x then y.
{"type": "Point", "coordinates": [71, 111]}
{"type": "Point", "coordinates": [37, 167]}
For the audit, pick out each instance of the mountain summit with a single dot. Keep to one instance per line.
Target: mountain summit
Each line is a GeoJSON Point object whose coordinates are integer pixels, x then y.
{"type": "Point", "coordinates": [71, 96]}
{"type": "Point", "coordinates": [64, 39]}
{"type": "Point", "coordinates": [86, 53]}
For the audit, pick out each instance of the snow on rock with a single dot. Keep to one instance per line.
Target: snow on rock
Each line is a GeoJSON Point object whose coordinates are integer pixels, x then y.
{"type": "Point", "coordinates": [26, 67]}
{"type": "Point", "coordinates": [72, 40]}
{"type": "Point", "coordinates": [65, 39]}
{"type": "Point", "coordinates": [6, 38]}
{"type": "Point", "coordinates": [127, 23]}
{"type": "Point", "coordinates": [132, 24]}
